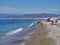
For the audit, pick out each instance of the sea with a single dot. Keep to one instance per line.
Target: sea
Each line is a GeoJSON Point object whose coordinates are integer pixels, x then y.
{"type": "Point", "coordinates": [11, 29]}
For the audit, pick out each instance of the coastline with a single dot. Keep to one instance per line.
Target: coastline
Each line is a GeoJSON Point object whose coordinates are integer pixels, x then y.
{"type": "Point", "coordinates": [19, 38]}
{"type": "Point", "coordinates": [32, 35]}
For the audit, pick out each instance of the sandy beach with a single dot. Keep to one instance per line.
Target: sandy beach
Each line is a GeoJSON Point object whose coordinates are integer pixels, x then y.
{"type": "Point", "coordinates": [42, 34]}
{"type": "Point", "coordinates": [45, 34]}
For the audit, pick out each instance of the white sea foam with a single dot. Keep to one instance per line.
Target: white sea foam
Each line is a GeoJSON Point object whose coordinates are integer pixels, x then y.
{"type": "Point", "coordinates": [32, 24]}
{"type": "Point", "coordinates": [14, 31]}
{"type": "Point", "coordinates": [17, 30]}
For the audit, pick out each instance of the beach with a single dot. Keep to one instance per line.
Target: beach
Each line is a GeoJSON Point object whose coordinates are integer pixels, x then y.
{"type": "Point", "coordinates": [45, 34]}
{"type": "Point", "coordinates": [40, 34]}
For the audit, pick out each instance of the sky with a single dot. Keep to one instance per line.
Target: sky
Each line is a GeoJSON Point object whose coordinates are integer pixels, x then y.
{"type": "Point", "coordinates": [29, 6]}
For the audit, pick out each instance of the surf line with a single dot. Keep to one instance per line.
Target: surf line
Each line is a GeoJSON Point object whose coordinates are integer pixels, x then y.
{"type": "Point", "coordinates": [17, 30]}
{"type": "Point", "coordinates": [14, 31]}
{"type": "Point", "coordinates": [32, 24]}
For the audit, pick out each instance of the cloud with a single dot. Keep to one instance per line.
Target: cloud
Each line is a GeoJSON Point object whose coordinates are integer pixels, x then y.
{"type": "Point", "coordinates": [11, 10]}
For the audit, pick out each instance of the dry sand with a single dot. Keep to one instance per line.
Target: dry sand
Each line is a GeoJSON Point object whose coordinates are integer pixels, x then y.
{"type": "Point", "coordinates": [54, 32]}
{"type": "Point", "coordinates": [40, 37]}
{"type": "Point", "coordinates": [58, 25]}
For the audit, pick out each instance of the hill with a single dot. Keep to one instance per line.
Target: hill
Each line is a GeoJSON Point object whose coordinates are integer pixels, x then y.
{"type": "Point", "coordinates": [42, 15]}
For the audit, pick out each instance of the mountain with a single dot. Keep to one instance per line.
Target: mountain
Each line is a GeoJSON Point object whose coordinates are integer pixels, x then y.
{"type": "Point", "coordinates": [29, 15]}
{"type": "Point", "coordinates": [41, 15]}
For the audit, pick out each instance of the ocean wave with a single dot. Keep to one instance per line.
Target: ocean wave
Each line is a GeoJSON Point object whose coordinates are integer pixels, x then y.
{"type": "Point", "coordinates": [14, 31]}
{"type": "Point", "coordinates": [20, 29]}
{"type": "Point", "coordinates": [32, 24]}
{"type": "Point", "coordinates": [18, 34]}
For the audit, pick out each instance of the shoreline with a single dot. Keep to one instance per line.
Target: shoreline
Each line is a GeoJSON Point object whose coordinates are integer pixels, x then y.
{"type": "Point", "coordinates": [18, 38]}
{"type": "Point", "coordinates": [38, 35]}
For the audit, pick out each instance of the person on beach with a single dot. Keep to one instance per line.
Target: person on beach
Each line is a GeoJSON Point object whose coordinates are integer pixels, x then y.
{"type": "Point", "coordinates": [53, 20]}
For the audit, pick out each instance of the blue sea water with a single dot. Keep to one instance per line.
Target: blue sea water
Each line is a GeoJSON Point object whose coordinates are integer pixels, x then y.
{"type": "Point", "coordinates": [7, 25]}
